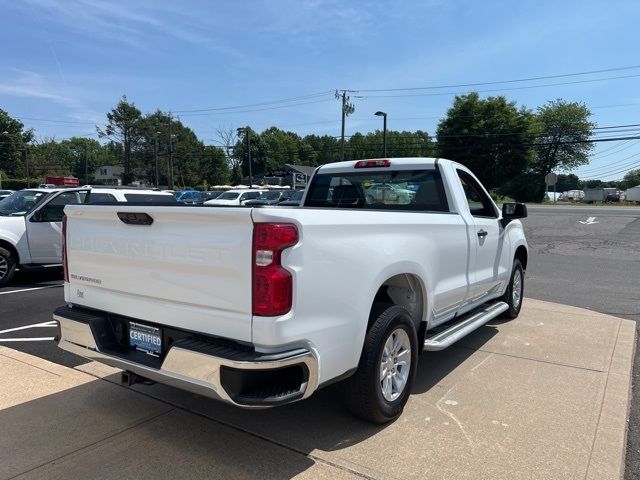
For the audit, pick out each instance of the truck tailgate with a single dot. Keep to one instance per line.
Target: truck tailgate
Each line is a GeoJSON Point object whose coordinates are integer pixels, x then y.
{"type": "Point", "coordinates": [191, 268]}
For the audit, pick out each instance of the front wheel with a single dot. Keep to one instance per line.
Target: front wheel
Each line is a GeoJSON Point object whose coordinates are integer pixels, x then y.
{"type": "Point", "coordinates": [7, 266]}
{"type": "Point", "coordinates": [515, 291]}
{"type": "Point", "coordinates": [380, 388]}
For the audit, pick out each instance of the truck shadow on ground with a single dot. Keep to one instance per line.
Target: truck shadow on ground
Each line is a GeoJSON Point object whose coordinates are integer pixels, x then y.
{"type": "Point", "coordinates": [101, 429]}
{"type": "Point", "coordinates": [321, 422]}
{"type": "Point", "coordinates": [35, 278]}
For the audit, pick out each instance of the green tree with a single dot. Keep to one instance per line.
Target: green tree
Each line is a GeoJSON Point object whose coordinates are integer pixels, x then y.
{"type": "Point", "coordinates": [490, 136]}
{"type": "Point", "coordinates": [567, 182]}
{"type": "Point", "coordinates": [631, 179]}
{"type": "Point", "coordinates": [326, 148]}
{"type": "Point", "coordinates": [213, 166]}
{"type": "Point", "coordinates": [123, 124]}
{"type": "Point", "coordinates": [77, 147]}
{"type": "Point", "coordinates": [260, 158]}
{"type": "Point", "coordinates": [14, 140]}
{"type": "Point", "coordinates": [561, 143]}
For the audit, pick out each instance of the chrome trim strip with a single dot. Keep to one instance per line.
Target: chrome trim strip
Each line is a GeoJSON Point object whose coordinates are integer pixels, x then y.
{"type": "Point", "coordinates": [182, 368]}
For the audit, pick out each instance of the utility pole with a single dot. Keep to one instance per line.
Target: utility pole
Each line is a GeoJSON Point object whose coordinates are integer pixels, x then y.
{"type": "Point", "coordinates": [384, 131]}
{"type": "Point", "coordinates": [26, 163]}
{"type": "Point", "coordinates": [347, 109]}
{"type": "Point", "coordinates": [86, 165]}
{"type": "Point", "coordinates": [155, 157]}
{"type": "Point", "coordinates": [249, 154]}
{"type": "Point", "coordinates": [170, 154]}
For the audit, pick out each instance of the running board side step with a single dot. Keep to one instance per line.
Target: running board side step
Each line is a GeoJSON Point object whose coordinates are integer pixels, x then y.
{"type": "Point", "coordinates": [445, 338]}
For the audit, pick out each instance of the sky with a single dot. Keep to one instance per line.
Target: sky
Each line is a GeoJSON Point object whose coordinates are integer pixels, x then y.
{"type": "Point", "coordinates": [64, 64]}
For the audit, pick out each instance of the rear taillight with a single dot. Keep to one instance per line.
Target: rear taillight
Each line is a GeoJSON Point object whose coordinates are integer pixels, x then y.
{"type": "Point", "coordinates": [65, 265]}
{"type": "Point", "coordinates": [272, 284]}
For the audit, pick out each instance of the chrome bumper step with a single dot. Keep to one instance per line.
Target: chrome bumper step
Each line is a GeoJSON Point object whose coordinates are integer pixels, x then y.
{"type": "Point", "coordinates": [210, 368]}
{"type": "Point", "coordinates": [445, 338]}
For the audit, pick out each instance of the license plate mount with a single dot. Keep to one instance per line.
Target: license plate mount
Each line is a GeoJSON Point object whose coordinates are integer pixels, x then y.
{"type": "Point", "coordinates": [145, 338]}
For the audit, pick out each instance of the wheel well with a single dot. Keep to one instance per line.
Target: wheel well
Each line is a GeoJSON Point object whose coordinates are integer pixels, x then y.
{"type": "Point", "coordinates": [7, 246]}
{"type": "Point", "coordinates": [521, 254]}
{"type": "Point", "coordinates": [404, 290]}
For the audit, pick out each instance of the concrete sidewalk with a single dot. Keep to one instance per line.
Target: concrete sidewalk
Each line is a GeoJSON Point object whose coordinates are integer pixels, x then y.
{"type": "Point", "coordinates": [544, 396]}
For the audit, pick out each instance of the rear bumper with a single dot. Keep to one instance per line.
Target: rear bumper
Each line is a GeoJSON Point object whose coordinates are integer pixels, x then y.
{"type": "Point", "coordinates": [240, 377]}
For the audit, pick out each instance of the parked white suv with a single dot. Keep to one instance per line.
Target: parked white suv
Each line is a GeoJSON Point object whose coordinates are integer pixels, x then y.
{"type": "Point", "coordinates": [235, 197]}
{"type": "Point", "coordinates": [30, 222]}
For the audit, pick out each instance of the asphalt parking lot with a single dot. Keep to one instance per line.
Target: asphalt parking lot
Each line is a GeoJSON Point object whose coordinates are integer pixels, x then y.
{"type": "Point", "coordinates": [581, 256]}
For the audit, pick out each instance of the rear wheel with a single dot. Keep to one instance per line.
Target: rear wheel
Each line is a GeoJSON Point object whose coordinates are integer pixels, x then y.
{"type": "Point", "coordinates": [380, 388]}
{"type": "Point", "coordinates": [515, 291]}
{"type": "Point", "coordinates": [7, 266]}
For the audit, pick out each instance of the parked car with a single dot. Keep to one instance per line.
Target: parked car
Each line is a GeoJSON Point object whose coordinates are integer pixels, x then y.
{"type": "Point", "coordinates": [183, 195]}
{"type": "Point", "coordinates": [272, 197]}
{"type": "Point", "coordinates": [388, 193]}
{"type": "Point", "coordinates": [294, 200]}
{"type": "Point", "coordinates": [234, 197]}
{"type": "Point", "coordinates": [5, 193]}
{"type": "Point", "coordinates": [201, 197]}
{"type": "Point", "coordinates": [30, 222]}
{"type": "Point", "coordinates": [266, 305]}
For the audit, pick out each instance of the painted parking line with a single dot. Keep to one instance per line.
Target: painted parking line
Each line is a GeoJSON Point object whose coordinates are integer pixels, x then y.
{"type": "Point", "coordinates": [30, 289]}
{"type": "Point", "coordinates": [41, 339]}
{"type": "Point", "coordinates": [49, 324]}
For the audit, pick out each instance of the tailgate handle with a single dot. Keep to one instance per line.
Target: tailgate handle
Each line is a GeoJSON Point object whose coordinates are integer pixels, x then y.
{"type": "Point", "coordinates": [135, 218]}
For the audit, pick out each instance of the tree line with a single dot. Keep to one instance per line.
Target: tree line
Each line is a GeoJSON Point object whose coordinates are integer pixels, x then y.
{"type": "Point", "coordinates": [510, 148]}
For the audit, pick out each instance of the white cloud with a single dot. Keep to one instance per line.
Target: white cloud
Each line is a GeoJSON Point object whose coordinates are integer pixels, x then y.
{"type": "Point", "coordinates": [138, 24]}
{"type": "Point", "coordinates": [32, 85]}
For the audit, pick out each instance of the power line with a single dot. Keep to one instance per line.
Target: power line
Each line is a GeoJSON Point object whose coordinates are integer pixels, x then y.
{"type": "Point", "coordinates": [497, 82]}
{"type": "Point", "coordinates": [604, 167]}
{"type": "Point", "coordinates": [612, 149]}
{"type": "Point", "coordinates": [606, 174]}
{"type": "Point", "coordinates": [257, 109]}
{"type": "Point", "coordinates": [273, 102]}
{"type": "Point", "coordinates": [502, 89]}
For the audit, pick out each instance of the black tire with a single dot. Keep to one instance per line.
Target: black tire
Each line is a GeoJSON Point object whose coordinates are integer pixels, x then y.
{"type": "Point", "coordinates": [508, 297]}
{"type": "Point", "coordinates": [7, 266]}
{"type": "Point", "coordinates": [363, 390]}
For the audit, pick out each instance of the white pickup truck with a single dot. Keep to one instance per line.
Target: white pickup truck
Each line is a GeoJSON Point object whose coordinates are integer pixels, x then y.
{"type": "Point", "coordinates": [262, 306]}
{"type": "Point", "coordinates": [31, 222]}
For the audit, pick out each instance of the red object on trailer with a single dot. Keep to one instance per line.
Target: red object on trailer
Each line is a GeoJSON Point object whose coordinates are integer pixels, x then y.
{"type": "Point", "coordinates": [63, 181]}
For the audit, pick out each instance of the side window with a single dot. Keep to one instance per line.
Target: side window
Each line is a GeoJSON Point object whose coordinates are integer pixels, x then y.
{"type": "Point", "coordinates": [54, 210]}
{"type": "Point", "coordinates": [101, 198]}
{"type": "Point", "coordinates": [480, 205]}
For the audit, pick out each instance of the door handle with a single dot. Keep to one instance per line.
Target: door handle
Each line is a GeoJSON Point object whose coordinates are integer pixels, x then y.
{"type": "Point", "coordinates": [482, 233]}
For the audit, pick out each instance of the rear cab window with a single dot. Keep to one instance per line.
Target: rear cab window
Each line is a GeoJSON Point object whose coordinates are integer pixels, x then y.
{"type": "Point", "coordinates": [403, 190]}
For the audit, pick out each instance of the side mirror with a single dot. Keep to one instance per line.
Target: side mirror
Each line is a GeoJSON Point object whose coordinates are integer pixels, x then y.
{"type": "Point", "coordinates": [512, 211]}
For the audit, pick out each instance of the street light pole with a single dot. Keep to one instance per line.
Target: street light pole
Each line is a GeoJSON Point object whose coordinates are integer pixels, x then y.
{"type": "Point", "coordinates": [384, 131]}
{"type": "Point", "coordinates": [245, 131]}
